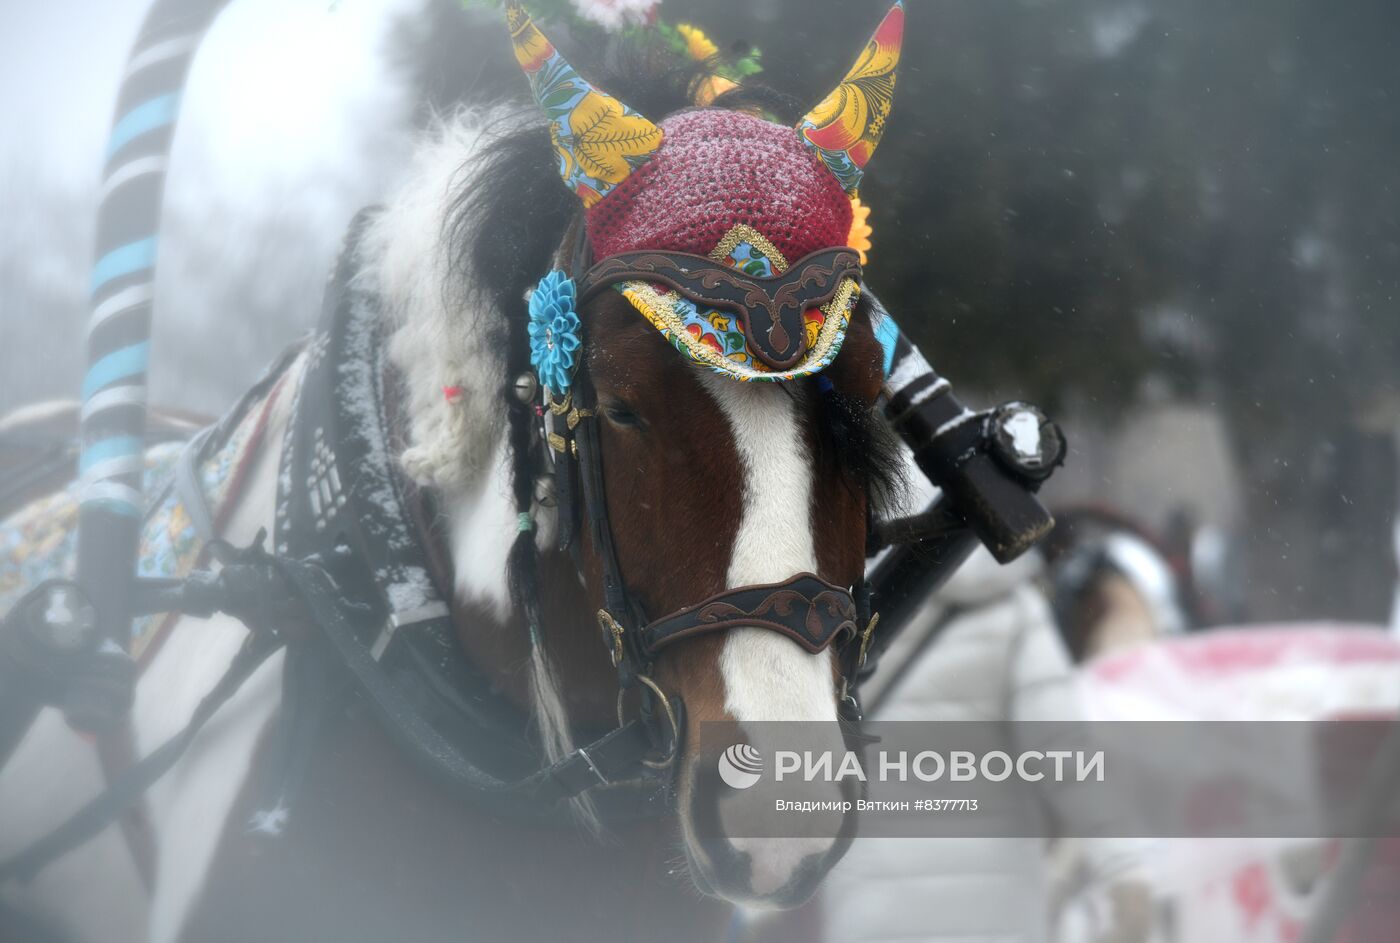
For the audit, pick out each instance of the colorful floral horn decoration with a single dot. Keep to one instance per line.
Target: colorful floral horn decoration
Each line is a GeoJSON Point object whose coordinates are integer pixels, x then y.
{"type": "Point", "coordinates": [846, 126]}
{"type": "Point", "coordinates": [598, 139]}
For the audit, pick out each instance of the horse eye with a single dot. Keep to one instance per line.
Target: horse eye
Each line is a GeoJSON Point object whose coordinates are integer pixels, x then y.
{"type": "Point", "coordinates": [621, 416]}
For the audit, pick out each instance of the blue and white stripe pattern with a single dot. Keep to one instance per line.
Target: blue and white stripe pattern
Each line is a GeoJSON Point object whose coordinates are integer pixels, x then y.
{"type": "Point", "coordinates": [909, 379]}
{"type": "Point", "coordinates": [123, 278]}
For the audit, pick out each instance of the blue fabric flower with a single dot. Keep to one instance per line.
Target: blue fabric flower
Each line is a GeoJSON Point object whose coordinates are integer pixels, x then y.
{"type": "Point", "coordinates": [554, 331]}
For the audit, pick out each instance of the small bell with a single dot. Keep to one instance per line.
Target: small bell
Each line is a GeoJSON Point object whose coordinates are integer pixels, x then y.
{"type": "Point", "coordinates": [525, 387]}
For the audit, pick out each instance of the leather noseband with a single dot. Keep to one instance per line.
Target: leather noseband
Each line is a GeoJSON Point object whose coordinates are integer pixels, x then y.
{"type": "Point", "coordinates": [806, 608]}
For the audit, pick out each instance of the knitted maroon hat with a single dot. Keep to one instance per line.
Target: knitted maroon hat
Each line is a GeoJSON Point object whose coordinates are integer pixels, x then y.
{"type": "Point", "coordinates": [714, 170]}
{"type": "Point", "coordinates": [742, 191]}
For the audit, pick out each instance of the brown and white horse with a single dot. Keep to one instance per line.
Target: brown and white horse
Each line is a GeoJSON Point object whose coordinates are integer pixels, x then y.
{"type": "Point", "coordinates": [712, 484]}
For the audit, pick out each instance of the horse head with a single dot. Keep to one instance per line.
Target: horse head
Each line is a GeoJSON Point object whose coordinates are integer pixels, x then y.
{"type": "Point", "coordinates": [700, 365]}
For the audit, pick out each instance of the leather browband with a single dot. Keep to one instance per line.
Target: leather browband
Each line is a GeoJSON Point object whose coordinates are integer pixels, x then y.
{"type": "Point", "coordinates": [776, 302]}
{"type": "Point", "coordinates": [806, 608]}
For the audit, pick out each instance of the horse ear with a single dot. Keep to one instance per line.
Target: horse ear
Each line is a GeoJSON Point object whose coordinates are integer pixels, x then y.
{"type": "Point", "coordinates": [846, 126]}
{"type": "Point", "coordinates": [598, 139]}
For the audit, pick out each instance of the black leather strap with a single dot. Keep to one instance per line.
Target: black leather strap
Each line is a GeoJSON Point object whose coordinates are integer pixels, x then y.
{"type": "Point", "coordinates": [613, 758]}
{"type": "Point", "coordinates": [595, 502]}
{"type": "Point", "coordinates": [131, 785]}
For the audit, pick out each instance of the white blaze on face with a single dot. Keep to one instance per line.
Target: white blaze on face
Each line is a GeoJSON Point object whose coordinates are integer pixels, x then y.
{"type": "Point", "coordinates": [767, 676]}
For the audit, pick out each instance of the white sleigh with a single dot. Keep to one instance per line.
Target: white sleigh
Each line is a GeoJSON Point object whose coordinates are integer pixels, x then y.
{"type": "Point", "coordinates": [1242, 890]}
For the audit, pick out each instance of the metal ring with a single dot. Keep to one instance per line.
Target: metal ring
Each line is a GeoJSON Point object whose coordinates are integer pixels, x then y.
{"type": "Point", "coordinates": [655, 689]}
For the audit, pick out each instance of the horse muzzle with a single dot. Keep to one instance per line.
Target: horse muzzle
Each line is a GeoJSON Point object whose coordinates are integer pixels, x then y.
{"type": "Point", "coordinates": [780, 863]}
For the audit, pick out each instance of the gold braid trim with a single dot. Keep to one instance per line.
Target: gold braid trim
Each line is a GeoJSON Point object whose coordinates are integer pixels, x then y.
{"type": "Point", "coordinates": [746, 233]}
{"type": "Point", "coordinates": [659, 309]}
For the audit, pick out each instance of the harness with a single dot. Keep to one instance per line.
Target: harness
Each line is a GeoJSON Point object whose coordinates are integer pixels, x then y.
{"type": "Point", "coordinates": [343, 502]}
{"type": "Point", "coordinates": [351, 585]}
{"type": "Point", "coordinates": [349, 588]}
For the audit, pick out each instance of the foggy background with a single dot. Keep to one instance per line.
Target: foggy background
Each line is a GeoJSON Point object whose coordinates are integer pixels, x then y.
{"type": "Point", "coordinates": [1172, 224]}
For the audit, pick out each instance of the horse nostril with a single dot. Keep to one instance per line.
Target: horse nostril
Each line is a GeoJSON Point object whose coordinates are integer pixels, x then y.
{"type": "Point", "coordinates": [785, 870]}
{"type": "Point", "coordinates": [717, 855]}
{"type": "Point", "coordinates": [755, 863]}
{"type": "Point", "coordinates": [706, 790]}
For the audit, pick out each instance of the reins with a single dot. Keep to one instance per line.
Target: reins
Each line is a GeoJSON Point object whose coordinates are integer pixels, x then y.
{"type": "Point", "coordinates": [279, 600]}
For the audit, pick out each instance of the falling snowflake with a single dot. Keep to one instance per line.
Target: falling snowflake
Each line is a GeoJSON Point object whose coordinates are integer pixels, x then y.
{"type": "Point", "coordinates": [269, 821]}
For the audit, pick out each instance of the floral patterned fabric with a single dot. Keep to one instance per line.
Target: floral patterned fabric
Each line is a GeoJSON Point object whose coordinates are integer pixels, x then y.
{"type": "Point", "coordinates": [682, 189]}
{"type": "Point", "coordinates": [40, 540]}
{"type": "Point", "coordinates": [846, 126]}
{"type": "Point", "coordinates": [597, 139]}
{"type": "Point", "coordinates": [715, 338]}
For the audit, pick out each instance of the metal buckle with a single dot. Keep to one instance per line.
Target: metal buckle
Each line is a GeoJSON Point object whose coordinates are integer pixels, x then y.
{"type": "Point", "coordinates": [576, 416]}
{"type": "Point", "coordinates": [865, 638]}
{"type": "Point", "coordinates": [612, 635]}
{"type": "Point", "coordinates": [671, 719]}
{"type": "Point", "coordinates": [603, 780]}
{"type": "Point", "coordinates": [559, 407]}
{"type": "Point", "coordinates": [850, 707]}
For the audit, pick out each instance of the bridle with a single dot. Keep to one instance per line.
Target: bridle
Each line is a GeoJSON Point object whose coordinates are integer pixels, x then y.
{"type": "Point", "coordinates": [805, 608]}
{"type": "Point", "coordinates": [346, 550]}
{"type": "Point", "coordinates": [324, 588]}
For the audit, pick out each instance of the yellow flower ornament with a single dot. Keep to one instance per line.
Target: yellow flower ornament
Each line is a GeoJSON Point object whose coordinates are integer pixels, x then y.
{"type": "Point", "coordinates": [697, 44]}
{"type": "Point", "coordinates": [859, 238]}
